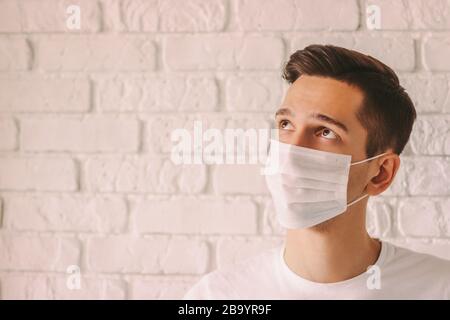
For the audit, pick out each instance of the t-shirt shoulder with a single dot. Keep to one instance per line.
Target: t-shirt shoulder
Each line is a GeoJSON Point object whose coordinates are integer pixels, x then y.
{"type": "Point", "coordinates": [405, 257]}
{"type": "Point", "coordinates": [424, 270]}
{"type": "Point", "coordinates": [221, 283]}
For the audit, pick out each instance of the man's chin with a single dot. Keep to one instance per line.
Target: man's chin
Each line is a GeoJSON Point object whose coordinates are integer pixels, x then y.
{"type": "Point", "coordinates": [327, 225]}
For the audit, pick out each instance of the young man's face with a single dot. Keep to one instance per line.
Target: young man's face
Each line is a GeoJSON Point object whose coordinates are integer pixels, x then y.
{"type": "Point", "coordinates": [320, 113]}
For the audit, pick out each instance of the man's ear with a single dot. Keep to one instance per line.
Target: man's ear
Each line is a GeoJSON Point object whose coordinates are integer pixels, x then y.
{"type": "Point", "coordinates": [385, 170]}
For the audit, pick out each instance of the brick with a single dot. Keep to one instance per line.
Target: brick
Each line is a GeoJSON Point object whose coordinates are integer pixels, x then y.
{"type": "Point", "coordinates": [379, 217]}
{"type": "Point", "coordinates": [223, 52]}
{"type": "Point", "coordinates": [239, 179]}
{"type": "Point", "coordinates": [396, 52]}
{"type": "Point", "coordinates": [160, 287]}
{"type": "Point", "coordinates": [43, 94]}
{"type": "Point", "coordinates": [150, 174]}
{"type": "Point", "coordinates": [43, 287]}
{"type": "Point", "coordinates": [150, 94]}
{"type": "Point", "coordinates": [38, 173]}
{"type": "Point", "coordinates": [253, 93]}
{"type": "Point", "coordinates": [16, 286]}
{"type": "Point", "coordinates": [192, 16]}
{"type": "Point", "coordinates": [298, 15]}
{"type": "Point", "coordinates": [76, 134]}
{"type": "Point", "coordinates": [265, 15]}
{"type": "Point", "coordinates": [165, 16]}
{"type": "Point", "coordinates": [413, 15]}
{"type": "Point", "coordinates": [134, 15]}
{"type": "Point", "coordinates": [15, 54]}
{"type": "Point", "coordinates": [326, 15]}
{"type": "Point", "coordinates": [65, 213]}
{"type": "Point", "coordinates": [186, 256]}
{"type": "Point", "coordinates": [428, 93]}
{"type": "Point", "coordinates": [47, 15]}
{"type": "Point", "coordinates": [190, 215]}
{"type": "Point", "coordinates": [444, 207]}
{"type": "Point", "coordinates": [231, 251]}
{"type": "Point", "coordinates": [37, 253]}
{"type": "Point", "coordinates": [424, 217]}
{"type": "Point", "coordinates": [431, 135]}
{"type": "Point", "coordinates": [8, 132]}
{"type": "Point", "coordinates": [1, 213]}
{"type": "Point", "coordinates": [95, 53]}
{"type": "Point", "coordinates": [435, 50]}
{"type": "Point", "coordinates": [146, 255]}
{"type": "Point", "coordinates": [428, 176]}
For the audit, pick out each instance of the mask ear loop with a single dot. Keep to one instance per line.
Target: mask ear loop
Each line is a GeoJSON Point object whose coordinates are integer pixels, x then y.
{"type": "Point", "coordinates": [356, 200]}
{"type": "Point", "coordinates": [365, 195]}
{"type": "Point", "coordinates": [358, 162]}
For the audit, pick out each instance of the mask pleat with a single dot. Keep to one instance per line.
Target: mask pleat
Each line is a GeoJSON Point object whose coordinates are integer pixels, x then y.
{"type": "Point", "coordinates": [313, 208]}
{"type": "Point", "coordinates": [308, 186]}
{"type": "Point", "coordinates": [301, 182]}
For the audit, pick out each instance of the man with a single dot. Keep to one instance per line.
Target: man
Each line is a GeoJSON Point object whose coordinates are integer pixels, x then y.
{"type": "Point", "coordinates": [342, 125]}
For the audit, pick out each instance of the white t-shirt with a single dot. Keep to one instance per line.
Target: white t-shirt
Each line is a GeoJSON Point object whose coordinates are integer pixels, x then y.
{"type": "Point", "coordinates": [398, 273]}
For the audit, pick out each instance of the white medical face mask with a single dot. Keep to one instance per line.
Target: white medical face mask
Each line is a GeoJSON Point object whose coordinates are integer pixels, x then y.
{"type": "Point", "coordinates": [308, 186]}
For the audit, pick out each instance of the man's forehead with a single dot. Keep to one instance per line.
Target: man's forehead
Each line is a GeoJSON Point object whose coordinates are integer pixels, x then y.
{"type": "Point", "coordinates": [326, 95]}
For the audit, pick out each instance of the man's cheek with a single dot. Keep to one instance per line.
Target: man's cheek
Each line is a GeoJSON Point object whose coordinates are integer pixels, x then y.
{"type": "Point", "coordinates": [357, 181]}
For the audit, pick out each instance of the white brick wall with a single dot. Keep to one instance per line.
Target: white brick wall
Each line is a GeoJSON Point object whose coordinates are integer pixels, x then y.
{"type": "Point", "coordinates": [86, 117]}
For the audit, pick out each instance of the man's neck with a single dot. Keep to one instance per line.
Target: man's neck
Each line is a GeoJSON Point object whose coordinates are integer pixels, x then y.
{"type": "Point", "coordinates": [338, 251]}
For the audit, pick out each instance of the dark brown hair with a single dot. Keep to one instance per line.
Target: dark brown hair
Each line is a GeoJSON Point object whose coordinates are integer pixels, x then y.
{"type": "Point", "coordinates": [387, 113]}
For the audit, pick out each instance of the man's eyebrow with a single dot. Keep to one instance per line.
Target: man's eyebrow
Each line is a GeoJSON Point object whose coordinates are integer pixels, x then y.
{"type": "Point", "coordinates": [325, 118]}
{"type": "Point", "coordinates": [284, 111]}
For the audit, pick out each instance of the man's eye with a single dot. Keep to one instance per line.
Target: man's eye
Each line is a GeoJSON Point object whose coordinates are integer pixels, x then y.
{"type": "Point", "coordinates": [285, 124]}
{"type": "Point", "coordinates": [328, 134]}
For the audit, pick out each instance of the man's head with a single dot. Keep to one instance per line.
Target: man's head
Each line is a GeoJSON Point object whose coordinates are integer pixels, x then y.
{"type": "Point", "coordinates": [343, 101]}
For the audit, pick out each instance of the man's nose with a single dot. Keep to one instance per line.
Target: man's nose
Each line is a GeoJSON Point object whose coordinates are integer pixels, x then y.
{"type": "Point", "coordinates": [299, 138]}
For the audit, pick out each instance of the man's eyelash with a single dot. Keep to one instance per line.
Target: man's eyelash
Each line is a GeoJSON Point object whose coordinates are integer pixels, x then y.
{"type": "Point", "coordinates": [337, 136]}
{"type": "Point", "coordinates": [279, 121]}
